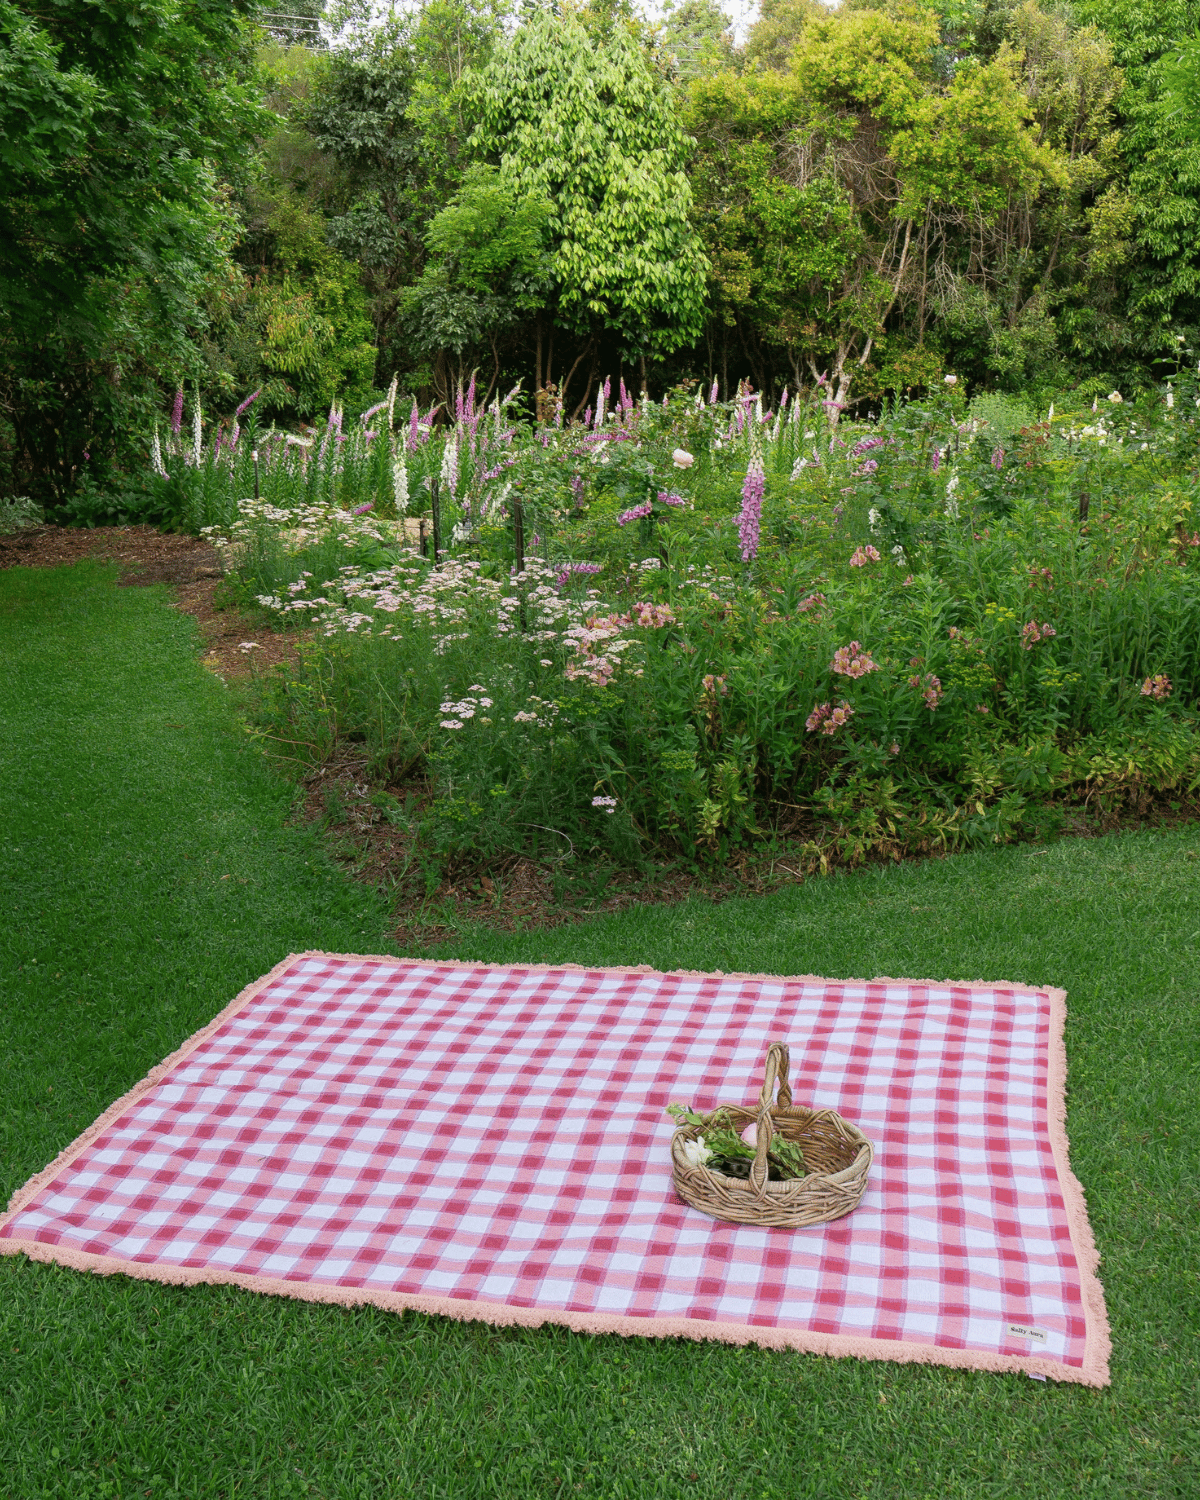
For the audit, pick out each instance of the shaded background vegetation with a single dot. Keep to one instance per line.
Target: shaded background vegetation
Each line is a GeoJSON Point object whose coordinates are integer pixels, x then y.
{"type": "Point", "coordinates": [310, 199]}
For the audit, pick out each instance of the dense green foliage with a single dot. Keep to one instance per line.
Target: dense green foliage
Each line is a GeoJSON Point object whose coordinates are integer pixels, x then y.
{"type": "Point", "coordinates": [121, 938]}
{"type": "Point", "coordinates": [119, 134]}
{"type": "Point", "coordinates": [296, 200]}
{"type": "Point", "coordinates": [954, 626]}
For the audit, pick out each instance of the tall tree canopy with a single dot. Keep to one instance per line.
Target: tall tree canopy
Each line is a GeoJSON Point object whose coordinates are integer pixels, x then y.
{"type": "Point", "coordinates": [578, 116]}
{"type": "Point", "coordinates": [117, 124]}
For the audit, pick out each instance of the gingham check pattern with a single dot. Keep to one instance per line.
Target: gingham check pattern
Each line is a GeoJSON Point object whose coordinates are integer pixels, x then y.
{"type": "Point", "coordinates": [499, 1135]}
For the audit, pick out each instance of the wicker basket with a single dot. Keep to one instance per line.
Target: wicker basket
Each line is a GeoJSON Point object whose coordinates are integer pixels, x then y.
{"type": "Point", "coordinates": [837, 1154]}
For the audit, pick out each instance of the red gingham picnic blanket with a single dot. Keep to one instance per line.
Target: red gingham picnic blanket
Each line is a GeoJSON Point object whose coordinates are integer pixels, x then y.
{"type": "Point", "coordinates": [493, 1143]}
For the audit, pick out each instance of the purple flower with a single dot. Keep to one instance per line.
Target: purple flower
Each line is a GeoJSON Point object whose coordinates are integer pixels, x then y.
{"type": "Point", "coordinates": [177, 412]}
{"type": "Point", "coordinates": [361, 510]}
{"type": "Point", "coordinates": [370, 412]}
{"type": "Point", "coordinates": [564, 574]}
{"type": "Point", "coordinates": [667, 498]}
{"type": "Point", "coordinates": [249, 401]}
{"type": "Point", "coordinates": [864, 445]}
{"type": "Point", "coordinates": [937, 460]}
{"type": "Point", "coordinates": [712, 395]}
{"type": "Point", "coordinates": [998, 459]}
{"type": "Point", "coordinates": [635, 513]}
{"type": "Point", "coordinates": [414, 421]}
{"type": "Point", "coordinates": [751, 513]}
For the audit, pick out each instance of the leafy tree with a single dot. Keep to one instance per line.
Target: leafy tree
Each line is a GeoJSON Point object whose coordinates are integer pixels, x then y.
{"type": "Point", "coordinates": [832, 190]}
{"type": "Point", "coordinates": [392, 109]}
{"type": "Point", "coordinates": [489, 270]}
{"type": "Point", "coordinates": [1160, 159]}
{"type": "Point", "coordinates": [116, 122]}
{"type": "Point", "coordinates": [696, 36]}
{"type": "Point", "coordinates": [575, 114]}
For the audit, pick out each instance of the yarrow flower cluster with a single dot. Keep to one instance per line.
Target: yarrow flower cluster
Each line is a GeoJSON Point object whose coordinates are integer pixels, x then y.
{"type": "Point", "coordinates": [864, 555]}
{"type": "Point", "coordinates": [1032, 633]}
{"type": "Point", "coordinates": [606, 804]}
{"type": "Point", "coordinates": [852, 661]}
{"type": "Point", "coordinates": [1157, 688]}
{"type": "Point", "coordinates": [828, 719]}
{"type": "Point", "coordinates": [465, 708]}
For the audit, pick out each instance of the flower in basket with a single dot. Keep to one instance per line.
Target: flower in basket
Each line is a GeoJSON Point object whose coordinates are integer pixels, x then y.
{"type": "Point", "coordinates": [696, 1152]}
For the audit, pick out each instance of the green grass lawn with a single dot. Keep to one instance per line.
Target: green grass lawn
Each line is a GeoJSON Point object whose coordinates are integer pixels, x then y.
{"type": "Point", "coordinates": [149, 873]}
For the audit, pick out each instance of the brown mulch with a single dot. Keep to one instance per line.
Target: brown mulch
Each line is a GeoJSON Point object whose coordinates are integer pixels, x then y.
{"type": "Point", "coordinates": [235, 644]}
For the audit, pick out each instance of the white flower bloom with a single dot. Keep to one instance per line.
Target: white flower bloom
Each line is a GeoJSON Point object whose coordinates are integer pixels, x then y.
{"type": "Point", "coordinates": [873, 519]}
{"type": "Point", "coordinates": [1170, 400]}
{"type": "Point", "coordinates": [1115, 398]}
{"type": "Point", "coordinates": [950, 379]}
{"type": "Point", "coordinates": [400, 480]}
{"type": "Point", "coordinates": [682, 459]}
{"type": "Point", "coordinates": [696, 1153]}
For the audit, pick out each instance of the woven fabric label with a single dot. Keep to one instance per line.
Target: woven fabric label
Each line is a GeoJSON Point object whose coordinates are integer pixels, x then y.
{"type": "Point", "coordinates": [1023, 1331]}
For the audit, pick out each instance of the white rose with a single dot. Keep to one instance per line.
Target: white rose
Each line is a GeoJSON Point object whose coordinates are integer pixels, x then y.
{"type": "Point", "coordinates": [950, 379]}
{"type": "Point", "coordinates": [696, 1153]}
{"type": "Point", "coordinates": [682, 459]}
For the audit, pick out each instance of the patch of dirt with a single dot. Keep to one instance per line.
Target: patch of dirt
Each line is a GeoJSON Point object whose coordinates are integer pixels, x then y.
{"type": "Point", "coordinates": [235, 644]}
{"type": "Point", "coordinates": [150, 556]}
{"type": "Point", "coordinates": [371, 831]}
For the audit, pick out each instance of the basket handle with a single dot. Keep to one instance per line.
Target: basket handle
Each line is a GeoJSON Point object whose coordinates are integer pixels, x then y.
{"type": "Point", "coordinates": [776, 1071]}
